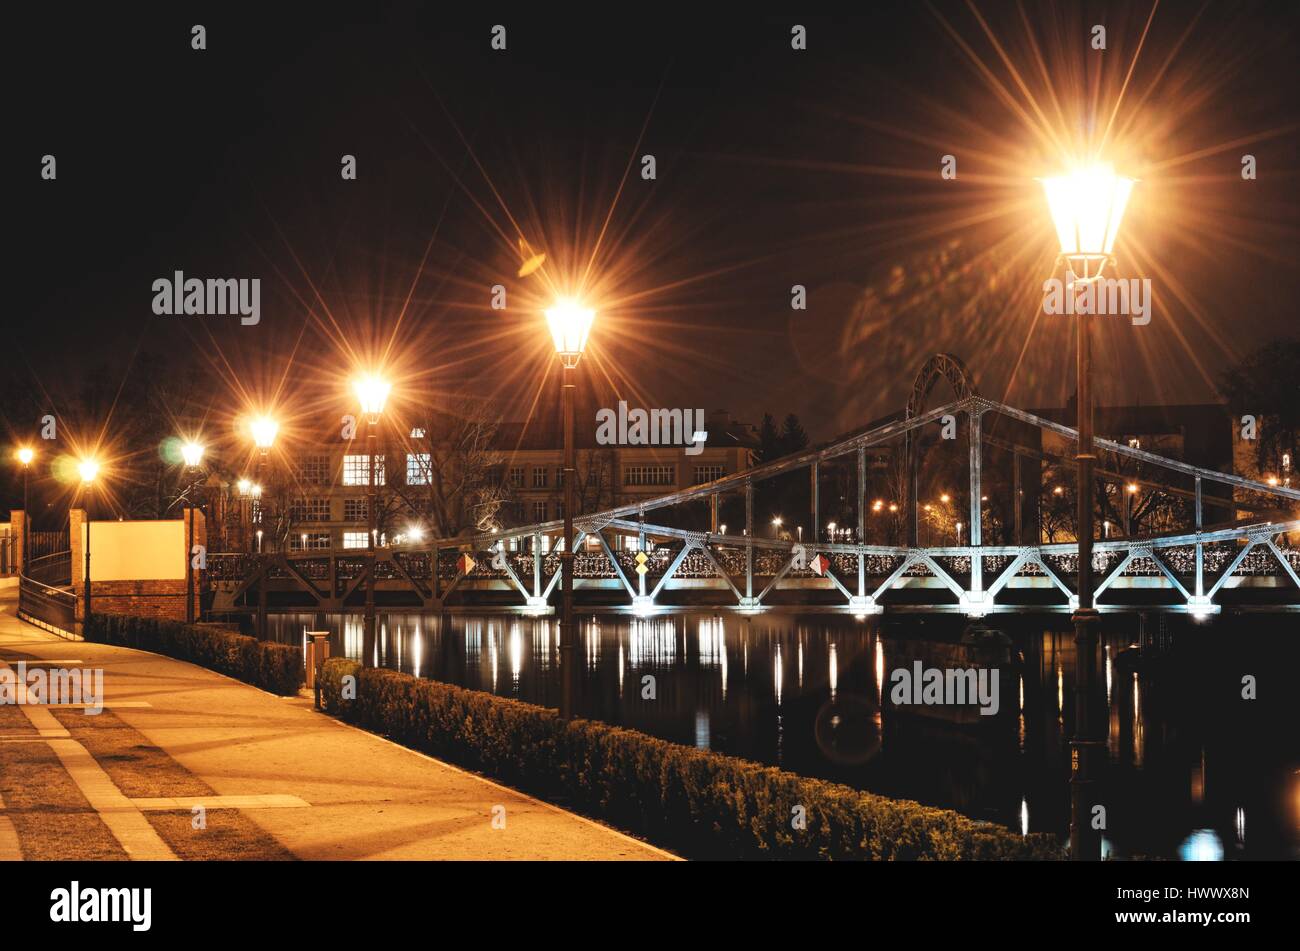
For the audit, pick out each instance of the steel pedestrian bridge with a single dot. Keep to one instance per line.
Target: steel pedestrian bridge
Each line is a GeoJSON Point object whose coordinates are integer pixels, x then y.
{"type": "Point", "coordinates": [1235, 564]}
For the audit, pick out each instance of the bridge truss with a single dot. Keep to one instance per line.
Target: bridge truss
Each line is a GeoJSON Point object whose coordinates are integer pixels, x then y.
{"type": "Point", "coordinates": [1184, 571]}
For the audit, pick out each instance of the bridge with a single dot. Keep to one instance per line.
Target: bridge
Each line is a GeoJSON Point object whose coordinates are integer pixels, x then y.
{"type": "Point", "coordinates": [683, 558]}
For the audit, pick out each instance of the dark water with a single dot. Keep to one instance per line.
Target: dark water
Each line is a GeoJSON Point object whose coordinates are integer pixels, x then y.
{"type": "Point", "coordinates": [1194, 770]}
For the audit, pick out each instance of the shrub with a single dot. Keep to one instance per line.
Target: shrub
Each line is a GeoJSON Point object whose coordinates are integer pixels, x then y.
{"type": "Point", "coordinates": [700, 803]}
{"type": "Point", "coordinates": [274, 667]}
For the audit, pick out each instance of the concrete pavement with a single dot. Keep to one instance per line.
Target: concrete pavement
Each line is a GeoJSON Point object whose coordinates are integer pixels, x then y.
{"type": "Point", "coordinates": [339, 792]}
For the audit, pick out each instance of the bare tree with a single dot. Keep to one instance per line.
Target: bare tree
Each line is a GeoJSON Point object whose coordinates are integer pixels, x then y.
{"type": "Point", "coordinates": [457, 485]}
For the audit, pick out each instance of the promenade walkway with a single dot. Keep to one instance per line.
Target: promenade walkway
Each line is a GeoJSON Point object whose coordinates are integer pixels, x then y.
{"type": "Point", "coordinates": [185, 763]}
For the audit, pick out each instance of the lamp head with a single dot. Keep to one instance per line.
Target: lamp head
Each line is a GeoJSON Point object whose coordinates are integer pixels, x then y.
{"type": "Point", "coordinates": [570, 324]}
{"type": "Point", "coordinates": [264, 429]}
{"type": "Point", "coordinates": [1087, 207]}
{"type": "Point", "coordinates": [372, 392]}
{"type": "Point", "coordinates": [88, 469]}
{"type": "Point", "coordinates": [192, 453]}
{"type": "Point", "coordinates": [25, 455]}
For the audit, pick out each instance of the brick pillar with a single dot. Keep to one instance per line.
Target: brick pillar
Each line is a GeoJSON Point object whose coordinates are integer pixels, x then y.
{"type": "Point", "coordinates": [200, 538]}
{"type": "Point", "coordinates": [77, 553]}
{"type": "Point", "coordinates": [18, 526]}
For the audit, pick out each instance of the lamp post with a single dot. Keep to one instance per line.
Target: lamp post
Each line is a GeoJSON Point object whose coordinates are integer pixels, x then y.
{"type": "Point", "coordinates": [192, 453]}
{"type": "Point", "coordinates": [88, 469]}
{"type": "Point", "coordinates": [25, 456]}
{"type": "Point", "coordinates": [372, 392]}
{"type": "Point", "coordinates": [1087, 207]}
{"type": "Point", "coordinates": [264, 430]}
{"type": "Point", "coordinates": [570, 323]}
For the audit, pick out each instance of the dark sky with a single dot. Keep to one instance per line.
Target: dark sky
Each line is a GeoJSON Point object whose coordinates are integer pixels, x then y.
{"type": "Point", "coordinates": [774, 168]}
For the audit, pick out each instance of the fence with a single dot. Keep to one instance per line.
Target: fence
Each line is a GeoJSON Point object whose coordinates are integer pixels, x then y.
{"type": "Point", "coordinates": [43, 596]}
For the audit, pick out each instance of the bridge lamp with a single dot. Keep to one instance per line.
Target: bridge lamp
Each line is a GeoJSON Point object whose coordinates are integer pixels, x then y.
{"type": "Point", "coordinates": [26, 455]}
{"type": "Point", "coordinates": [88, 469]}
{"type": "Point", "coordinates": [264, 430]}
{"type": "Point", "coordinates": [570, 323]}
{"type": "Point", "coordinates": [722, 529]}
{"type": "Point", "coordinates": [1087, 206]}
{"type": "Point", "coordinates": [415, 533]}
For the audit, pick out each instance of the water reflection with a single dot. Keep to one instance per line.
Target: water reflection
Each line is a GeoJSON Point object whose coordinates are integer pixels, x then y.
{"type": "Point", "coordinates": [1188, 759]}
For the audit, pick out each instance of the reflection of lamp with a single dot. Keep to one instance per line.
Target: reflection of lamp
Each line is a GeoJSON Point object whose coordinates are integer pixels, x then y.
{"type": "Point", "coordinates": [1087, 207]}
{"type": "Point", "coordinates": [372, 392]}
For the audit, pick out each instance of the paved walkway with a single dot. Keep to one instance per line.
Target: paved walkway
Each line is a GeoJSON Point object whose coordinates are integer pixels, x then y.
{"type": "Point", "coordinates": [327, 790]}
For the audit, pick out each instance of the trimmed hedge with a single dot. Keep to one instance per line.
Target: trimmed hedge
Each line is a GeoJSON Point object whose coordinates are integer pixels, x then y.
{"type": "Point", "coordinates": [277, 668]}
{"type": "Point", "coordinates": [699, 803]}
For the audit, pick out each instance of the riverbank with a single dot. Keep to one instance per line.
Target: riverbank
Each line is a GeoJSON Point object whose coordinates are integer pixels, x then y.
{"type": "Point", "coordinates": [275, 778]}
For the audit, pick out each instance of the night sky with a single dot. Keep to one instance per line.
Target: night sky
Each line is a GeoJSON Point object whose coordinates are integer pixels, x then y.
{"type": "Point", "coordinates": [775, 167]}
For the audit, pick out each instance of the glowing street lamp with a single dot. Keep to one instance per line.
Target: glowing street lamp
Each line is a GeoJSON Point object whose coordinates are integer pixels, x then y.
{"type": "Point", "coordinates": [372, 393]}
{"type": "Point", "coordinates": [88, 469]}
{"type": "Point", "coordinates": [25, 455]}
{"type": "Point", "coordinates": [192, 453]}
{"type": "Point", "coordinates": [264, 430]}
{"type": "Point", "coordinates": [1087, 207]}
{"type": "Point", "coordinates": [570, 324]}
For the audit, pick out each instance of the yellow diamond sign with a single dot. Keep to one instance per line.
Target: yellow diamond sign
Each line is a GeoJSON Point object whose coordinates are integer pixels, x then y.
{"type": "Point", "coordinates": [641, 558]}
{"type": "Point", "coordinates": [641, 569]}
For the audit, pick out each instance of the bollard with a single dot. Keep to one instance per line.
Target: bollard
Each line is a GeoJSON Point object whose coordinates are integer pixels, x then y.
{"type": "Point", "coordinates": [318, 651]}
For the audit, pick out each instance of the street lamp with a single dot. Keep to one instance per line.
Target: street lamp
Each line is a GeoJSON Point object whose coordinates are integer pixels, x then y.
{"type": "Point", "coordinates": [25, 455]}
{"type": "Point", "coordinates": [372, 392]}
{"type": "Point", "coordinates": [88, 469]}
{"type": "Point", "coordinates": [192, 454]}
{"type": "Point", "coordinates": [570, 323]}
{"type": "Point", "coordinates": [264, 430]}
{"type": "Point", "coordinates": [1087, 207]}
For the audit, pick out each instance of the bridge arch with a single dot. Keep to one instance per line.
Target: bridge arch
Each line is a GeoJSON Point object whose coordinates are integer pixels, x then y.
{"type": "Point", "coordinates": [941, 366]}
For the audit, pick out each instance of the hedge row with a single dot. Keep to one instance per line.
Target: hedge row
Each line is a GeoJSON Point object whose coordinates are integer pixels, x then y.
{"type": "Point", "coordinates": [274, 667]}
{"type": "Point", "coordinates": [699, 803]}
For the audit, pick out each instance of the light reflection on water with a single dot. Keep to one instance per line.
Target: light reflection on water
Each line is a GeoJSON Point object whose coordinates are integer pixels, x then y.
{"type": "Point", "coordinates": [1188, 760]}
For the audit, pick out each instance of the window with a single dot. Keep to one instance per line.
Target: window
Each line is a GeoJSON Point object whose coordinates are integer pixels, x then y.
{"type": "Point", "coordinates": [417, 468]}
{"type": "Point", "coordinates": [559, 509]}
{"type": "Point", "coordinates": [539, 511]}
{"type": "Point", "coordinates": [315, 509]}
{"type": "Point", "coordinates": [354, 510]}
{"type": "Point", "coordinates": [354, 539]}
{"type": "Point", "coordinates": [539, 477]}
{"type": "Point", "coordinates": [417, 432]}
{"type": "Point", "coordinates": [314, 470]}
{"type": "Point", "coordinates": [315, 541]}
{"type": "Point", "coordinates": [517, 476]}
{"type": "Point", "coordinates": [356, 470]}
{"type": "Point", "coordinates": [649, 475]}
{"type": "Point", "coordinates": [707, 474]}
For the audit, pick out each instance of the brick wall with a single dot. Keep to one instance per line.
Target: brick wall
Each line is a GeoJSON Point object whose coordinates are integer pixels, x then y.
{"type": "Point", "coordinates": [156, 599]}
